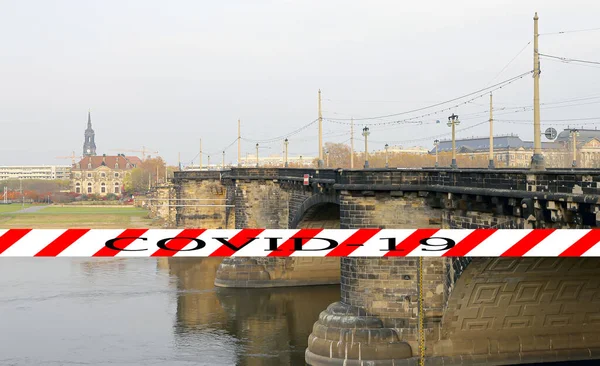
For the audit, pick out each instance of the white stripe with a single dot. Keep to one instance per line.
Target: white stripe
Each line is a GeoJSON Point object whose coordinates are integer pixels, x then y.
{"type": "Point", "coordinates": [211, 244]}
{"type": "Point", "coordinates": [260, 246]}
{"type": "Point", "coordinates": [90, 243]}
{"type": "Point", "coordinates": [309, 249]}
{"type": "Point", "coordinates": [33, 242]}
{"type": "Point", "coordinates": [435, 245]}
{"type": "Point", "coordinates": [594, 251]}
{"type": "Point", "coordinates": [556, 243]}
{"type": "Point", "coordinates": [498, 243]}
{"type": "Point", "coordinates": [377, 246]}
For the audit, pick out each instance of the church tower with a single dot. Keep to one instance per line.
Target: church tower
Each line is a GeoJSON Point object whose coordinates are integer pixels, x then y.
{"type": "Point", "coordinates": [89, 146]}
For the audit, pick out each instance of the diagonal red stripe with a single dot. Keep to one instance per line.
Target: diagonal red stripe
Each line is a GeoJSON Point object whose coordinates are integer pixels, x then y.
{"type": "Point", "coordinates": [238, 240]}
{"type": "Point", "coordinates": [527, 242]}
{"type": "Point", "coordinates": [129, 233]}
{"type": "Point", "coordinates": [469, 242]}
{"type": "Point", "coordinates": [582, 245]}
{"type": "Point", "coordinates": [10, 237]}
{"type": "Point", "coordinates": [61, 243]}
{"type": "Point", "coordinates": [177, 243]}
{"type": "Point", "coordinates": [287, 248]}
{"type": "Point", "coordinates": [411, 242]}
{"type": "Point", "coordinates": [349, 245]}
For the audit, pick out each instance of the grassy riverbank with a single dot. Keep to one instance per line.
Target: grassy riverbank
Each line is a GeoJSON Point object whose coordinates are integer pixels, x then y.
{"type": "Point", "coordinates": [57, 217]}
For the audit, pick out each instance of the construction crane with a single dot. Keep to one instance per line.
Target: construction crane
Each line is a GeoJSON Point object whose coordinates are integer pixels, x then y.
{"type": "Point", "coordinates": [144, 150]}
{"type": "Point", "coordinates": [72, 157]}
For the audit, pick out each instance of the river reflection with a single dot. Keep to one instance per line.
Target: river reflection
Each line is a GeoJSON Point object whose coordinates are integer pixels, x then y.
{"type": "Point", "coordinates": [134, 311]}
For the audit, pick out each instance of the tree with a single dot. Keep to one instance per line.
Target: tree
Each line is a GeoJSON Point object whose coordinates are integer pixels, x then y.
{"type": "Point", "coordinates": [138, 179]}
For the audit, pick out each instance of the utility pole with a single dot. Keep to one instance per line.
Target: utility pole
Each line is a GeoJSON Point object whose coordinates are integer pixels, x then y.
{"type": "Point", "coordinates": [200, 156]}
{"type": "Point", "coordinates": [223, 164]}
{"type": "Point", "coordinates": [366, 135]}
{"type": "Point", "coordinates": [208, 165]}
{"type": "Point", "coordinates": [320, 163]}
{"type": "Point", "coordinates": [257, 154]}
{"type": "Point", "coordinates": [239, 145]}
{"type": "Point", "coordinates": [437, 144]}
{"type": "Point", "coordinates": [537, 160]}
{"type": "Point", "coordinates": [491, 164]}
{"type": "Point", "coordinates": [286, 143]}
{"type": "Point", "coordinates": [387, 165]}
{"type": "Point", "coordinates": [352, 143]}
{"type": "Point", "coordinates": [574, 134]}
{"type": "Point", "coordinates": [452, 122]}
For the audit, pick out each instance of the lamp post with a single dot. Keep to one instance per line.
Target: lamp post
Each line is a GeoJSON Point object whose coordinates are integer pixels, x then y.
{"type": "Point", "coordinates": [452, 122]}
{"type": "Point", "coordinates": [437, 144]}
{"type": "Point", "coordinates": [257, 154]}
{"type": "Point", "coordinates": [223, 163]}
{"type": "Point", "coordinates": [286, 142]}
{"type": "Point", "coordinates": [366, 135]}
{"type": "Point", "coordinates": [574, 134]}
{"type": "Point", "coordinates": [327, 157]}
{"type": "Point", "coordinates": [387, 165]}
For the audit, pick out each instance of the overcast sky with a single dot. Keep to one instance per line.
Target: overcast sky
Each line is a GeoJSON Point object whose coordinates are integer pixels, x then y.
{"type": "Point", "coordinates": [163, 74]}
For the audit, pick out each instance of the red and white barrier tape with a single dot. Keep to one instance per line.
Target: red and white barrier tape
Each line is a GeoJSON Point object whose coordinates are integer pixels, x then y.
{"type": "Point", "coordinates": [299, 243]}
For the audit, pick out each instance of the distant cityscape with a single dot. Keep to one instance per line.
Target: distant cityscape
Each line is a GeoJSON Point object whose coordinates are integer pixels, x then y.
{"type": "Point", "coordinates": [105, 174]}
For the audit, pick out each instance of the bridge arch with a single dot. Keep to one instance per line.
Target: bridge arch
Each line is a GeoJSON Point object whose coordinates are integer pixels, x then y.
{"type": "Point", "coordinates": [317, 211]}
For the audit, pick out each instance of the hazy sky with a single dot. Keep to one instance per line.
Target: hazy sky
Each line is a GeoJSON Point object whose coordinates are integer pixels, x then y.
{"type": "Point", "coordinates": [164, 74]}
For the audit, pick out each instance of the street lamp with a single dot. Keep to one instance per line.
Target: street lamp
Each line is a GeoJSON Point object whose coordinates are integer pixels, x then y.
{"type": "Point", "coordinates": [437, 144]}
{"type": "Point", "coordinates": [366, 135]}
{"type": "Point", "coordinates": [327, 155]}
{"type": "Point", "coordinates": [574, 134]}
{"type": "Point", "coordinates": [286, 142]}
{"type": "Point", "coordinates": [223, 163]}
{"type": "Point", "coordinates": [257, 154]}
{"type": "Point", "coordinates": [452, 122]}
{"type": "Point", "coordinates": [387, 165]}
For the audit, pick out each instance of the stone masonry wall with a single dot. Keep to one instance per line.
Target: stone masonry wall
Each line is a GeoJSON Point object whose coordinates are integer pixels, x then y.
{"type": "Point", "coordinates": [388, 287]}
{"type": "Point", "coordinates": [209, 213]}
{"type": "Point", "coordinates": [260, 204]}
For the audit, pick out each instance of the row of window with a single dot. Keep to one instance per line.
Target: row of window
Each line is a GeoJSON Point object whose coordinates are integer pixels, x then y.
{"type": "Point", "coordinates": [103, 188]}
{"type": "Point", "coordinates": [127, 166]}
{"type": "Point", "coordinates": [103, 175]}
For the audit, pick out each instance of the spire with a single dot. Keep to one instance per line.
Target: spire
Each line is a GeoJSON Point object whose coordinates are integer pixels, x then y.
{"type": "Point", "coordinates": [89, 119]}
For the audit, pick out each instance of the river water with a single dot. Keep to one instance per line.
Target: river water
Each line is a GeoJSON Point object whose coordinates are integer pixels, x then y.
{"type": "Point", "coordinates": [135, 311]}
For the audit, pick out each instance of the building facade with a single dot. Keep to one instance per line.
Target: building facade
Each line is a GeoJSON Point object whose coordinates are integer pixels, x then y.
{"type": "Point", "coordinates": [512, 152]}
{"type": "Point", "coordinates": [102, 175]}
{"type": "Point", "coordinates": [46, 172]}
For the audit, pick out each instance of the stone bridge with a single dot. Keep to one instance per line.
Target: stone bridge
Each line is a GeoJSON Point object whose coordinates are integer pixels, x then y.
{"type": "Point", "coordinates": [476, 311]}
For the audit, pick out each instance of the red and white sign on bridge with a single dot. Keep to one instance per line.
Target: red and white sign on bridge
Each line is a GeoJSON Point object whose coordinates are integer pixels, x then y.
{"type": "Point", "coordinates": [298, 242]}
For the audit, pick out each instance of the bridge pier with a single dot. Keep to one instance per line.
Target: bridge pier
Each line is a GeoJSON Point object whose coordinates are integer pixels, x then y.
{"type": "Point", "coordinates": [375, 321]}
{"type": "Point", "coordinates": [266, 203]}
{"type": "Point", "coordinates": [491, 311]}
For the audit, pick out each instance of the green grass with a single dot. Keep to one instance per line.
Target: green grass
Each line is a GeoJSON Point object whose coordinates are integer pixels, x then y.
{"type": "Point", "coordinates": [124, 211]}
{"type": "Point", "coordinates": [54, 217]}
{"type": "Point", "coordinates": [12, 207]}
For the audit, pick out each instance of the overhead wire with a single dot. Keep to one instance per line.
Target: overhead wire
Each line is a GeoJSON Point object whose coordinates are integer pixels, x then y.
{"type": "Point", "coordinates": [486, 90]}
{"type": "Point", "coordinates": [571, 31]}
{"type": "Point", "coordinates": [568, 60]}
